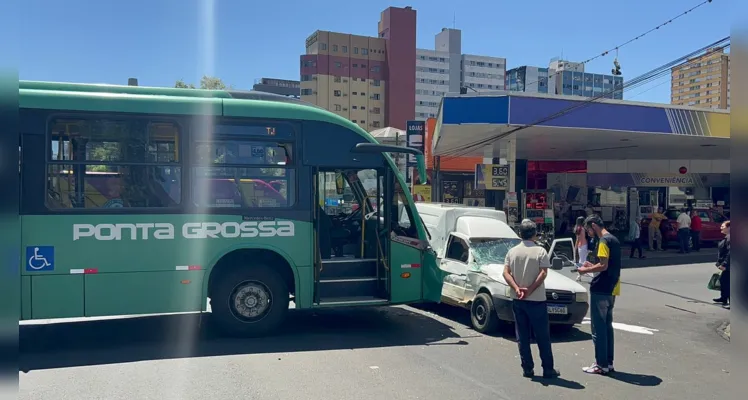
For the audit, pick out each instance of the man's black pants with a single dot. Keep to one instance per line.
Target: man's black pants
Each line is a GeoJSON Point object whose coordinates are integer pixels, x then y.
{"type": "Point", "coordinates": [532, 317]}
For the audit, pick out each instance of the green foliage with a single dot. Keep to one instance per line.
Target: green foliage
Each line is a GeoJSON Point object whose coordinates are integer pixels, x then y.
{"type": "Point", "coordinates": [206, 82]}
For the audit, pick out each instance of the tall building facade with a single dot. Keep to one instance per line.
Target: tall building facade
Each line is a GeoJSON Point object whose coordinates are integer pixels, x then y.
{"type": "Point", "coordinates": [365, 79]}
{"type": "Point", "coordinates": [703, 81]}
{"type": "Point", "coordinates": [445, 70]}
{"type": "Point", "coordinates": [283, 87]}
{"type": "Point", "coordinates": [565, 78]}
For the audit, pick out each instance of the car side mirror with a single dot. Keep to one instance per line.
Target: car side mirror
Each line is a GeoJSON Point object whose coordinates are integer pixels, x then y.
{"type": "Point", "coordinates": [557, 263]}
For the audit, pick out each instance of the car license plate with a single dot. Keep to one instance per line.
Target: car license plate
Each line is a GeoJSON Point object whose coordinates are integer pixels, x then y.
{"type": "Point", "coordinates": [556, 309]}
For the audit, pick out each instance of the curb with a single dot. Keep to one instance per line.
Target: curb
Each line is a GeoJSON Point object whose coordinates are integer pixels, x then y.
{"type": "Point", "coordinates": [669, 260]}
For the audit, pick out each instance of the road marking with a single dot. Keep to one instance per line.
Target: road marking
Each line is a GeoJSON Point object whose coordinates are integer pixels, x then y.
{"type": "Point", "coordinates": [627, 328]}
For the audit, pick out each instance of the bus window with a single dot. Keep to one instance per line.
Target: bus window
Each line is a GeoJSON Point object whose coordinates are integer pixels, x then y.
{"type": "Point", "coordinates": [402, 214]}
{"type": "Point", "coordinates": [239, 173]}
{"type": "Point", "coordinates": [109, 163]}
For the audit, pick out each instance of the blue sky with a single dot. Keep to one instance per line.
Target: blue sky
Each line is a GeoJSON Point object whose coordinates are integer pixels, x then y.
{"type": "Point", "coordinates": [161, 41]}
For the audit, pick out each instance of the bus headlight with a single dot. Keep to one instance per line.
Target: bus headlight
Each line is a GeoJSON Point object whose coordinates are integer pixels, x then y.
{"type": "Point", "coordinates": [582, 297]}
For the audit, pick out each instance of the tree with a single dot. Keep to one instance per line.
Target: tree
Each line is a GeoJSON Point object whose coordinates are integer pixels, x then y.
{"type": "Point", "coordinates": [206, 82]}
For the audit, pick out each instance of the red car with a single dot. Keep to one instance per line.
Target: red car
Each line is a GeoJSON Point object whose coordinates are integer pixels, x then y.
{"type": "Point", "coordinates": [711, 221]}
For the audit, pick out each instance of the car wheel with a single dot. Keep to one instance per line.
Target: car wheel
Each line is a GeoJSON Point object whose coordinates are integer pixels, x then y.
{"type": "Point", "coordinates": [483, 315]}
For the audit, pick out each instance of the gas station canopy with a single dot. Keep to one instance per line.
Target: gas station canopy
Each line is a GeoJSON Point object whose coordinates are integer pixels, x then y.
{"type": "Point", "coordinates": [573, 128]}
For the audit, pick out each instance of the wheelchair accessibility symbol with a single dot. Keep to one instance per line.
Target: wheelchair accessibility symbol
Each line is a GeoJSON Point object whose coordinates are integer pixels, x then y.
{"type": "Point", "coordinates": [40, 258]}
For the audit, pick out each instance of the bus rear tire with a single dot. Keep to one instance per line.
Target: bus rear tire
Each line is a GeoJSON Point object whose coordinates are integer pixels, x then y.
{"type": "Point", "coordinates": [251, 301]}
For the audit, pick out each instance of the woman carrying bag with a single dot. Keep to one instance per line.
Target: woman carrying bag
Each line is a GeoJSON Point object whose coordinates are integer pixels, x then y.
{"type": "Point", "coordinates": [723, 263]}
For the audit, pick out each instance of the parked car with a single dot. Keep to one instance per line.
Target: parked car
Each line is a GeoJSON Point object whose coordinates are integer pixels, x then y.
{"type": "Point", "coordinates": [711, 220]}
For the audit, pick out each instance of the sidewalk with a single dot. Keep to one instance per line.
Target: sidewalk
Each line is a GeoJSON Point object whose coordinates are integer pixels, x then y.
{"type": "Point", "coordinates": [668, 257]}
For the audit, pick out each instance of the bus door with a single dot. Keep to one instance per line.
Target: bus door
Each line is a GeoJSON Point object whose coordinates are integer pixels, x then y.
{"type": "Point", "coordinates": [406, 249]}
{"type": "Point", "coordinates": [350, 237]}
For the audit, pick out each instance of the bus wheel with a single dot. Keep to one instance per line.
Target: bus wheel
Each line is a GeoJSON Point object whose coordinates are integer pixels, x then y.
{"type": "Point", "coordinates": [250, 301]}
{"type": "Point", "coordinates": [483, 315]}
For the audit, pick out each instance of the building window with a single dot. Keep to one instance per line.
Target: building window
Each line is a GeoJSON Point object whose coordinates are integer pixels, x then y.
{"type": "Point", "coordinates": [306, 92]}
{"type": "Point", "coordinates": [375, 124]}
{"type": "Point", "coordinates": [375, 96]}
{"type": "Point", "coordinates": [323, 46]}
{"type": "Point", "coordinates": [354, 121]}
{"type": "Point", "coordinates": [363, 107]}
{"type": "Point", "coordinates": [363, 65]}
{"type": "Point", "coordinates": [354, 107]}
{"type": "Point", "coordinates": [345, 49]}
{"type": "Point", "coordinates": [364, 51]}
{"type": "Point", "coordinates": [338, 107]}
{"type": "Point", "coordinates": [376, 82]}
{"type": "Point", "coordinates": [336, 93]}
{"type": "Point", "coordinates": [336, 79]}
{"type": "Point", "coordinates": [354, 93]}
{"type": "Point", "coordinates": [375, 110]}
{"type": "Point", "coordinates": [355, 50]}
{"type": "Point", "coordinates": [335, 47]}
{"type": "Point", "coordinates": [338, 64]}
{"type": "Point", "coordinates": [375, 68]}
{"type": "Point", "coordinates": [363, 93]}
{"type": "Point", "coordinates": [306, 78]}
{"type": "Point", "coordinates": [363, 121]}
{"type": "Point", "coordinates": [355, 65]}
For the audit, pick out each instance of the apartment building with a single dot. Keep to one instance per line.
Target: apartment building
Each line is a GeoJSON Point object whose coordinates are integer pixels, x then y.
{"type": "Point", "coordinates": [565, 78]}
{"type": "Point", "coordinates": [703, 81]}
{"type": "Point", "coordinates": [445, 70]}
{"type": "Point", "coordinates": [369, 80]}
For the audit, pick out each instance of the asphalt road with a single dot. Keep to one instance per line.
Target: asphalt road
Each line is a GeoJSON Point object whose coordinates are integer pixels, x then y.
{"type": "Point", "coordinates": [387, 353]}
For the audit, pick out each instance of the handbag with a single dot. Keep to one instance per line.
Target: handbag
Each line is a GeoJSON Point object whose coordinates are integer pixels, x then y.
{"type": "Point", "coordinates": [714, 281]}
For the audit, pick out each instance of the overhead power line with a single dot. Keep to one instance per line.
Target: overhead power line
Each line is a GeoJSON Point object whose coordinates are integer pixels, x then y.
{"type": "Point", "coordinates": [616, 48]}
{"type": "Point", "coordinates": [630, 84]}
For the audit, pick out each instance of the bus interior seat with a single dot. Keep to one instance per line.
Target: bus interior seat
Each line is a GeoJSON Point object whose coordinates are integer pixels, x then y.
{"type": "Point", "coordinates": [325, 236]}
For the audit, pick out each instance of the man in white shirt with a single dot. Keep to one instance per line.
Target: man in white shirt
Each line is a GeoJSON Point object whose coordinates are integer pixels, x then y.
{"type": "Point", "coordinates": [684, 230]}
{"type": "Point", "coordinates": [525, 269]}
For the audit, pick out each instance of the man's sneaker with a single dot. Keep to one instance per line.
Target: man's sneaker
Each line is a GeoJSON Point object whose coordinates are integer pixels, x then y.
{"type": "Point", "coordinates": [596, 369]}
{"type": "Point", "coordinates": [528, 373]}
{"type": "Point", "coordinates": [550, 374]}
{"type": "Point", "coordinates": [610, 368]}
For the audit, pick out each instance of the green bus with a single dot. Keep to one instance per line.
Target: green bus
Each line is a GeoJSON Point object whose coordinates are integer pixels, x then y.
{"type": "Point", "coordinates": [138, 200]}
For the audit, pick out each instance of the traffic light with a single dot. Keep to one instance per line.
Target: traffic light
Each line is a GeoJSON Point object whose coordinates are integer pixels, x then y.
{"type": "Point", "coordinates": [616, 67]}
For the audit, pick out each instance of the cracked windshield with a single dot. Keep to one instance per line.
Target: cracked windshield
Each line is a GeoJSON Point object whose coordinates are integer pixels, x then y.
{"type": "Point", "coordinates": [484, 200]}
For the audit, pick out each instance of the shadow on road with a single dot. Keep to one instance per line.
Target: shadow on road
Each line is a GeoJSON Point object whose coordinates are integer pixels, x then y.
{"type": "Point", "coordinates": [636, 379]}
{"type": "Point", "coordinates": [60, 345]}
{"type": "Point", "coordinates": [560, 382]}
{"type": "Point", "coordinates": [506, 331]}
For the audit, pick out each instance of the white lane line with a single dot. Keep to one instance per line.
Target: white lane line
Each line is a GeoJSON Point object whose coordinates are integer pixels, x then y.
{"type": "Point", "coordinates": [628, 328]}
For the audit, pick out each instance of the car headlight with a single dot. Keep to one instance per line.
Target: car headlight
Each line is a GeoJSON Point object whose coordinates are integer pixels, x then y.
{"type": "Point", "coordinates": [582, 297]}
{"type": "Point", "coordinates": [507, 291]}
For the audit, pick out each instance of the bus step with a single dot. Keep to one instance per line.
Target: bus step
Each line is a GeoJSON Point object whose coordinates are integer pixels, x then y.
{"type": "Point", "coordinates": [352, 301]}
{"type": "Point", "coordinates": [347, 287]}
{"type": "Point", "coordinates": [348, 268]}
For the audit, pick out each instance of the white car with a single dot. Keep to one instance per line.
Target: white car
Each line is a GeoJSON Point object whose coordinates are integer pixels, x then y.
{"type": "Point", "coordinates": [471, 244]}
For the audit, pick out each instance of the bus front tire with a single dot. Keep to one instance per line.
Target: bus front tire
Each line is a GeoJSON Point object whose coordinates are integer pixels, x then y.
{"type": "Point", "coordinates": [250, 301]}
{"type": "Point", "coordinates": [483, 315]}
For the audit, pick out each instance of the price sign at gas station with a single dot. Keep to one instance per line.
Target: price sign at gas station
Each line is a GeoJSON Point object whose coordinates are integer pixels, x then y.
{"type": "Point", "coordinates": [499, 179]}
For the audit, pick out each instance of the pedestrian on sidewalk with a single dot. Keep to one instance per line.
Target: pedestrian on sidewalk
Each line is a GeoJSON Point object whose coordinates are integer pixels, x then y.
{"type": "Point", "coordinates": [604, 288]}
{"type": "Point", "coordinates": [684, 231]}
{"type": "Point", "coordinates": [581, 244]}
{"type": "Point", "coordinates": [635, 235]}
{"type": "Point", "coordinates": [723, 263]}
{"type": "Point", "coordinates": [525, 269]}
{"type": "Point", "coordinates": [695, 230]}
{"type": "Point", "coordinates": [654, 229]}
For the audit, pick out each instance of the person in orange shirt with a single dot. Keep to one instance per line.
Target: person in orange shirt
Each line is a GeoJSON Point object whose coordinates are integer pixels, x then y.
{"type": "Point", "coordinates": [654, 229]}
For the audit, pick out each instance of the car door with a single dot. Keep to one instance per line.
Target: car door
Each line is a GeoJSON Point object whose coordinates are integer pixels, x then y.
{"type": "Point", "coordinates": [455, 264]}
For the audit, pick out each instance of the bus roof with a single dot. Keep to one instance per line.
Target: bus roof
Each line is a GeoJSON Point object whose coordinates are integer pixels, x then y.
{"type": "Point", "coordinates": [176, 101]}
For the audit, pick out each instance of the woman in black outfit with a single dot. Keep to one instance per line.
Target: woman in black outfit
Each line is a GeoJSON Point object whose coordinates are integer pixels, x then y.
{"type": "Point", "coordinates": [723, 263]}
